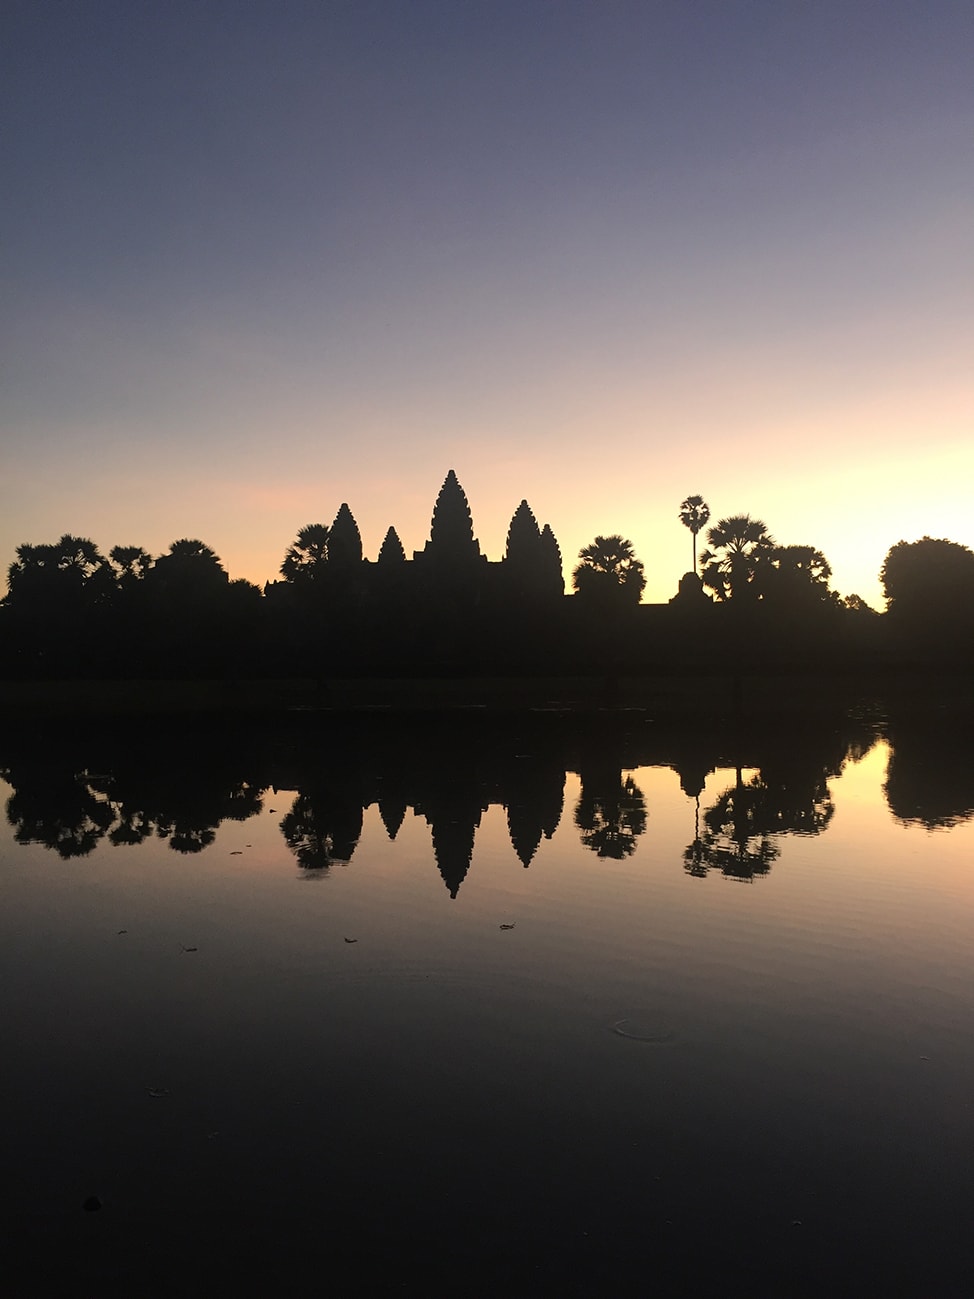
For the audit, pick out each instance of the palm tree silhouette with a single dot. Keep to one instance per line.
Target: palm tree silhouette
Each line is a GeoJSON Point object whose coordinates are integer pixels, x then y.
{"type": "Point", "coordinates": [608, 570]}
{"type": "Point", "coordinates": [736, 549]}
{"type": "Point", "coordinates": [694, 513]}
{"type": "Point", "coordinates": [130, 563]}
{"type": "Point", "coordinates": [308, 554]}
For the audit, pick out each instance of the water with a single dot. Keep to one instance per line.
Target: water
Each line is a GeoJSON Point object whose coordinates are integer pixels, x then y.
{"type": "Point", "coordinates": [524, 1005]}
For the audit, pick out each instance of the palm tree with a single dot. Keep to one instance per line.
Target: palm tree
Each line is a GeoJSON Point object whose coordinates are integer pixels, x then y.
{"type": "Point", "coordinates": [737, 547]}
{"type": "Point", "coordinates": [71, 569]}
{"type": "Point", "coordinates": [307, 555]}
{"type": "Point", "coordinates": [694, 513]}
{"type": "Point", "coordinates": [130, 564]}
{"type": "Point", "coordinates": [609, 570]}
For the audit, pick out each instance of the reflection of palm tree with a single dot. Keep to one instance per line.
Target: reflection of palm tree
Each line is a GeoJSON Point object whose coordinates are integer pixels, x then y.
{"type": "Point", "coordinates": [609, 570]}
{"type": "Point", "coordinates": [736, 548]}
{"type": "Point", "coordinates": [321, 829]}
{"type": "Point", "coordinates": [611, 823]}
{"type": "Point", "coordinates": [694, 513]}
{"type": "Point", "coordinates": [740, 827]}
{"type": "Point", "coordinates": [734, 840]}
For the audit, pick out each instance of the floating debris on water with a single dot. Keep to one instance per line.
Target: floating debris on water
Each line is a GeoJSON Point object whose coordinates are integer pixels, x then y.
{"type": "Point", "coordinates": [511, 926]}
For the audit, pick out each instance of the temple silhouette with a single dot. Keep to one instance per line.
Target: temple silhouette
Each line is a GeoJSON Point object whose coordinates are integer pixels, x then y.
{"type": "Point", "coordinates": [448, 612]}
{"type": "Point", "coordinates": [450, 569]}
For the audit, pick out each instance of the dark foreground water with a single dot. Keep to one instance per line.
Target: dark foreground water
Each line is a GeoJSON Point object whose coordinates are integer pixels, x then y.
{"type": "Point", "coordinates": [537, 1005]}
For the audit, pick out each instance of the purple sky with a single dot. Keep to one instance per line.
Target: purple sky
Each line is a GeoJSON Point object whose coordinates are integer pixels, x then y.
{"type": "Point", "coordinates": [259, 259]}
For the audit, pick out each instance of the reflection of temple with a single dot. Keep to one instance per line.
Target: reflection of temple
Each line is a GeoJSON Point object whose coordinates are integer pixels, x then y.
{"type": "Point", "coordinates": [453, 818]}
{"type": "Point", "coordinates": [448, 768]}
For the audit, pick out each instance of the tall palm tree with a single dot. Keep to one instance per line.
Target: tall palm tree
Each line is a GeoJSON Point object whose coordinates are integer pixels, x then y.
{"type": "Point", "coordinates": [736, 548]}
{"type": "Point", "coordinates": [694, 513]}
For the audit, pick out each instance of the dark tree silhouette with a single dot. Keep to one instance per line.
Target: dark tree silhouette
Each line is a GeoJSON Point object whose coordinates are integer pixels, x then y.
{"type": "Point", "coordinates": [929, 577]}
{"type": "Point", "coordinates": [130, 565]}
{"type": "Point", "coordinates": [737, 548]}
{"type": "Point", "coordinates": [796, 577]}
{"type": "Point", "coordinates": [71, 570]}
{"type": "Point", "coordinates": [189, 567]}
{"type": "Point", "coordinates": [609, 572]}
{"type": "Point", "coordinates": [307, 555]}
{"type": "Point", "coordinates": [694, 514]}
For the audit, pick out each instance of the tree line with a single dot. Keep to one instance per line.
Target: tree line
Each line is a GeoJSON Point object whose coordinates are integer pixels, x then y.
{"type": "Point", "coordinates": [73, 611]}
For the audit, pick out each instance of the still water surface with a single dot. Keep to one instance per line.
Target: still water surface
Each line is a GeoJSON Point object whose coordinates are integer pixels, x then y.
{"type": "Point", "coordinates": [521, 1006]}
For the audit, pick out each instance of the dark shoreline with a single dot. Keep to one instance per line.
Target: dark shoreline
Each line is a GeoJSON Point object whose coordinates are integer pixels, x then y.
{"type": "Point", "coordinates": [689, 692]}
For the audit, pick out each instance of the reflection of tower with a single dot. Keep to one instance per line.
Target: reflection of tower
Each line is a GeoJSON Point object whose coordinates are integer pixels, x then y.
{"type": "Point", "coordinates": [534, 806]}
{"type": "Point", "coordinates": [453, 816]}
{"type": "Point", "coordinates": [393, 813]}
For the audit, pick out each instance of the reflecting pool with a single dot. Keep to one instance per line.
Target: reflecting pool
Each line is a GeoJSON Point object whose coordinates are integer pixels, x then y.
{"type": "Point", "coordinates": [527, 1004]}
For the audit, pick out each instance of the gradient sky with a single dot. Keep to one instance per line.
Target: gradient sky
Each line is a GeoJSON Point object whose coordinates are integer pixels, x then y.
{"type": "Point", "coordinates": [262, 258]}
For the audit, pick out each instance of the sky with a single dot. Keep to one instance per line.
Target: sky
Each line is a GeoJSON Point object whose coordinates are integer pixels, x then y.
{"type": "Point", "coordinates": [262, 258]}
